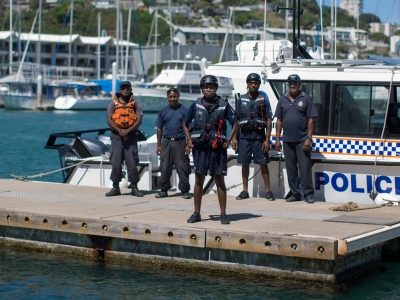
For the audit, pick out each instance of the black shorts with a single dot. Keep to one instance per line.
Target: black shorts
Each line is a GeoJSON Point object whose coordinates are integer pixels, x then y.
{"type": "Point", "coordinates": [210, 161]}
{"type": "Point", "coordinates": [247, 147]}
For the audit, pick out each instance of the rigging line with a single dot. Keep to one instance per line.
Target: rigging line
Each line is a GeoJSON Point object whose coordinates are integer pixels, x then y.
{"type": "Point", "coordinates": [390, 12]}
{"type": "Point", "coordinates": [373, 193]}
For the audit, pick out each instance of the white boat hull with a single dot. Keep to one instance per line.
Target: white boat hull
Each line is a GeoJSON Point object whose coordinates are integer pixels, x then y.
{"type": "Point", "coordinates": [23, 102]}
{"type": "Point", "coordinates": [73, 103]}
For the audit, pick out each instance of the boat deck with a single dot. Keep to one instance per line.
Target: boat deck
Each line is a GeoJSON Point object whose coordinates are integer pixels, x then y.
{"type": "Point", "coordinates": [263, 237]}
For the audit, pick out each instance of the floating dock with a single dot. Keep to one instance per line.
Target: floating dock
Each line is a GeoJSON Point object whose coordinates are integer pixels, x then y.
{"type": "Point", "coordinates": [278, 239]}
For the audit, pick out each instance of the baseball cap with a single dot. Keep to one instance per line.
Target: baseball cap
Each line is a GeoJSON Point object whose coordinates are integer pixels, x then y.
{"type": "Point", "coordinates": [124, 83]}
{"type": "Point", "coordinates": [294, 77]}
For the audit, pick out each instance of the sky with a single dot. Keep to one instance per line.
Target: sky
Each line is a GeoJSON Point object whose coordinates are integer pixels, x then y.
{"type": "Point", "coordinates": [387, 10]}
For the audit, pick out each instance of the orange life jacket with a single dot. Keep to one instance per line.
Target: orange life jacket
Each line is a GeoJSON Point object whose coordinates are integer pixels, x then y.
{"type": "Point", "coordinates": [124, 115]}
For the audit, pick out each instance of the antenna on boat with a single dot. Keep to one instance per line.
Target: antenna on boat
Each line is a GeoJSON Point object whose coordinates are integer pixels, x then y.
{"type": "Point", "coordinates": [298, 50]}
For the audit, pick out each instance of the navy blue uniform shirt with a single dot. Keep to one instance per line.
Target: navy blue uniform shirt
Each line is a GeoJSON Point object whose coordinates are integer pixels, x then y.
{"type": "Point", "coordinates": [295, 116]}
{"type": "Point", "coordinates": [170, 120]}
{"type": "Point", "coordinates": [255, 133]}
{"type": "Point", "coordinates": [229, 115]}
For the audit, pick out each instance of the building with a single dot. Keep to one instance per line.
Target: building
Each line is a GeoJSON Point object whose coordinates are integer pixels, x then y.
{"type": "Point", "coordinates": [56, 58]}
{"type": "Point", "coordinates": [395, 44]}
{"type": "Point", "coordinates": [353, 7]}
{"type": "Point", "coordinates": [386, 28]}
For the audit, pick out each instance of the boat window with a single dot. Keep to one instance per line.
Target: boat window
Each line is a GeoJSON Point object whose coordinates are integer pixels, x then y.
{"type": "Point", "coordinates": [184, 88]}
{"type": "Point", "coordinates": [360, 109]}
{"type": "Point", "coordinates": [179, 66]}
{"type": "Point", "coordinates": [188, 67]}
{"type": "Point", "coordinates": [319, 92]}
{"type": "Point", "coordinates": [196, 89]}
{"type": "Point", "coordinates": [172, 66]}
{"type": "Point", "coordinates": [165, 66]}
{"type": "Point", "coordinates": [196, 67]}
{"type": "Point", "coordinates": [393, 117]}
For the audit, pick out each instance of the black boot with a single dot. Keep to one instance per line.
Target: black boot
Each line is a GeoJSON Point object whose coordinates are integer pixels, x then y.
{"type": "Point", "coordinates": [115, 190]}
{"type": "Point", "coordinates": [135, 191]}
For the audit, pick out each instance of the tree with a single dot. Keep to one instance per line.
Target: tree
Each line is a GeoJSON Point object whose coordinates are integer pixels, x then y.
{"type": "Point", "coordinates": [379, 37]}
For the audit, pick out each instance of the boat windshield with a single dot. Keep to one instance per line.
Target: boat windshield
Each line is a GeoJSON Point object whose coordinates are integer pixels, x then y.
{"type": "Point", "coordinates": [179, 66]}
{"type": "Point", "coordinates": [196, 67]}
{"type": "Point", "coordinates": [355, 110]}
{"type": "Point", "coordinates": [188, 67]}
{"type": "Point", "coordinates": [165, 66]}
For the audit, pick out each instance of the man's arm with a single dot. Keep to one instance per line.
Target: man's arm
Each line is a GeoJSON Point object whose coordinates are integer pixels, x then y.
{"type": "Point", "coordinates": [159, 135]}
{"type": "Point", "coordinates": [233, 134]}
{"type": "Point", "coordinates": [189, 142]}
{"type": "Point", "coordinates": [278, 134]}
{"type": "Point", "coordinates": [310, 129]}
{"type": "Point", "coordinates": [266, 144]}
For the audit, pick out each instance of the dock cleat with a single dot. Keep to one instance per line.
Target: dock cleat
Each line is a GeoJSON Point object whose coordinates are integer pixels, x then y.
{"type": "Point", "coordinates": [194, 218]}
{"type": "Point", "coordinates": [293, 199]}
{"type": "Point", "coordinates": [270, 196]}
{"type": "Point", "coordinates": [135, 192]}
{"type": "Point", "coordinates": [224, 219]}
{"type": "Point", "coordinates": [243, 195]}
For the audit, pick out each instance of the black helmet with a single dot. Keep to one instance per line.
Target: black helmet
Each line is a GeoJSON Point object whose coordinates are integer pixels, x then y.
{"type": "Point", "coordinates": [210, 79]}
{"type": "Point", "coordinates": [253, 77]}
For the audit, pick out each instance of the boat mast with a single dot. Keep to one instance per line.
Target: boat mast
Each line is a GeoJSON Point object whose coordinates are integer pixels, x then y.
{"type": "Point", "coordinates": [128, 36]}
{"type": "Point", "coordinates": [70, 39]}
{"type": "Point", "coordinates": [98, 44]}
{"type": "Point", "coordinates": [11, 39]}
{"type": "Point", "coordinates": [117, 34]}
{"type": "Point", "coordinates": [39, 48]}
{"type": "Point", "coordinates": [155, 43]}
{"type": "Point", "coordinates": [170, 30]}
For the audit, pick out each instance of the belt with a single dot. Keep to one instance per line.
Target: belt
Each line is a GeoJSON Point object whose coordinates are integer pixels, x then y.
{"type": "Point", "coordinates": [175, 139]}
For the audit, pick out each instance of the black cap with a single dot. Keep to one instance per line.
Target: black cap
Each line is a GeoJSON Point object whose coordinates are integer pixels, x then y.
{"type": "Point", "coordinates": [175, 90]}
{"type": "Point", "coordinates": [294, 77]}
{"type": "Point", "coordinates": [124, 83]}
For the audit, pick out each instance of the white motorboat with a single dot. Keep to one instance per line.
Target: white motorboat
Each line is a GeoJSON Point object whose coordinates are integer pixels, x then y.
{"type": "Point", "coordinates": [184, 75]}
{"type": "Point", "coordinates": [82, 96]}
{"type": "Point", "coordinates": [23, 95]}
{"type": "Point", "coordinates": [356, 147]}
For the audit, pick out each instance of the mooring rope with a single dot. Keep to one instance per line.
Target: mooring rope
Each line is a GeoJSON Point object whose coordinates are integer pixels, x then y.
{"type": "Point", "coordinates": [103, 157]}
{"type": "Point", "coordinates": [350, 206]}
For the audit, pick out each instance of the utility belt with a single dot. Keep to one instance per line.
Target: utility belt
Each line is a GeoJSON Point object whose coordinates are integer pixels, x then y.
{"type": "Point", "coordinates": [206, 138]}
{"type": "Point", "coordinates": [252, 124]}
{"type": "Point", "coordinates": [174, 139]}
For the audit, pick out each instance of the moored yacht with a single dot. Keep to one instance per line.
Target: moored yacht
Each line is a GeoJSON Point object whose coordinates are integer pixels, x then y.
{"type": "Point", "coordinates": [82, 96]}
{"type": "Point", "coordinates": [184, 75]}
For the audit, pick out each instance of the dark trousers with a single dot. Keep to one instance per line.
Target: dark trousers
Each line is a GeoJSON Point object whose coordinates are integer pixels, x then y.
{"type": "Point", "coordinates": [173, 153]}
{"type": "Point", "coordinates": [297, 160]}
{"type": "Point", "coordinates": [127, 151]}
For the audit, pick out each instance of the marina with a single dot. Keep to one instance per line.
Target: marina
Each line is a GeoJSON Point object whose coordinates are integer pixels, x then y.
{"type": "Point", "coordinates": [278, 239]}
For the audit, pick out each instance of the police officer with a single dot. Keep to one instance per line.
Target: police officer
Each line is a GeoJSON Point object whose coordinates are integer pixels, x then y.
{"type": "Point", "coordinates": [124, 116]}
{"type": "Point", "coordinates": [254, 111]}
{"type": "Point", "coordinates": [171, 145]}
{"type": "Point", "coordinates": [295, 112]}
{"type": "Point", "coordinates": [209, 142]}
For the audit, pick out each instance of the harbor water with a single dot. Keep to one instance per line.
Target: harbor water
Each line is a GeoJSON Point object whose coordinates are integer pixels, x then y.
{"type": "Point", "coordinates": [38, 275]}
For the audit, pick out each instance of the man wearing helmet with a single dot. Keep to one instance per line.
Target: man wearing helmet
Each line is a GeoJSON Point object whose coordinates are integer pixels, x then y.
{"type": "Point", "coordinates": [209, 142]}
{"type": "Point", "coordinates": [254, 111]}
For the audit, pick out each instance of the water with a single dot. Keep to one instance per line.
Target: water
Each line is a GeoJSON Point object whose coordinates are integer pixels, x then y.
{"type": "Point", "coordinates": [36, 275]}
{"type": "Point", "coordinates": [23, 135]}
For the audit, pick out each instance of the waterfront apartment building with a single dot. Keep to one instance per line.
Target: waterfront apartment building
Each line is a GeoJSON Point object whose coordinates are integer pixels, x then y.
{"type": "Point", "coordinates": [352, 7]}
{"type": "Point", "coordinates": [386, 28]}
{"type": "Point", "coordinates": [215, 36]}
{"type": "Point", "coordinates": [55, 57]}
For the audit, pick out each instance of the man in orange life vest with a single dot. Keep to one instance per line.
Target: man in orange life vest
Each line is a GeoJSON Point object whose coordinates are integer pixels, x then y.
{"type": "Point", "coordinates": [124, 116]}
